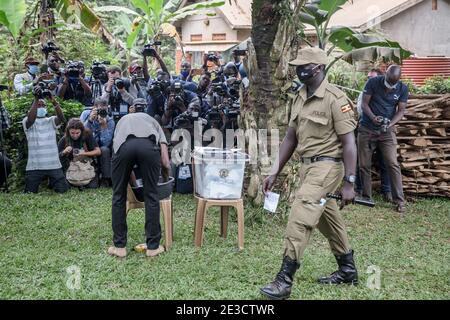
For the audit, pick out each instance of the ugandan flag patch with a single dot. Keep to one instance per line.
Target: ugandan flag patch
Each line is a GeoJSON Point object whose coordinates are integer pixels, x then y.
{"type": "Point", "coordinates": [346, 108]}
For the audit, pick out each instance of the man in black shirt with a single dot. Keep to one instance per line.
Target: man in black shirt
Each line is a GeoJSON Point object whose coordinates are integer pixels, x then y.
{"type": "Point", "coordinates": [384, 103]}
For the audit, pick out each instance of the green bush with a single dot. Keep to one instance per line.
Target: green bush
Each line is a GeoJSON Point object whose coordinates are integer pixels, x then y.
{"type": "Point", "coordinates": [435, 85]}
{"type": "Point", "coordinates": [347, 78]}
{"type": "Point", "coordinates": [15, 139]}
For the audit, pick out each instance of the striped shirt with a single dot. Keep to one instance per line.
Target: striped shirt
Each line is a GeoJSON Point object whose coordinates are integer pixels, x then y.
{"type": "Point", "coordinates": [42, 147]}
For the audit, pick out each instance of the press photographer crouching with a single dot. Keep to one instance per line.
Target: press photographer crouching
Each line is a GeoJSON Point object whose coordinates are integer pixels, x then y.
{"type": "Point", "coordinates": [138, 140]}
{"type": "Point", "coordinates": [102, 127]}
{"type": "Point", "coordinates": [43, 160]}
{"type": "Point", "coordinates": [178, 102]}
{"type": "Point", "coordinates": [77, 152]}
{"type": "Point", "coordinates": [116, 93]}
{"type": "Point", "coordinates": [74, 86]}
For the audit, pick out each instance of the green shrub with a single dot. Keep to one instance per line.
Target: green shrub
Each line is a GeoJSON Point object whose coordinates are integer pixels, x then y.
{"type": "Point", "coordinates": [15, 139]}
{"type": "Point", "coordinates": [436, 85]}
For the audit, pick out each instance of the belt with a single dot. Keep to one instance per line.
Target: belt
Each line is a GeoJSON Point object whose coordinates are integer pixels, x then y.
{"type": "Point", "coordinates": [319, 158]}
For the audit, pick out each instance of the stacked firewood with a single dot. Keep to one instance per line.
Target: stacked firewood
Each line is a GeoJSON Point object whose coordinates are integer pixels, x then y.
{"type": "Point", "coordinates": [424, 145]}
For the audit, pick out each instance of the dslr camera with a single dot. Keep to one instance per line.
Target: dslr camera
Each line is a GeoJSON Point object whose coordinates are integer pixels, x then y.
{"type": "Point", "coordinates": [119, 83]}
{"type": "Point", "coordinates": [212, 57]}
{"type": "Point", "coordinates": [50, 46]}
{"type": "Point", "coordinates": [385, 124]}
{"type": "Point", "coordinates": [177, 90]}
{"type": "Point", "coordinates": [44, 90]}
{"type": "Point", "coordinates": [149, 49]}
{"type": "Point", "coordinates": [73, 70]}
{"type": "Point", "coordinates": [103, 113]}
{"type": "Point", "coordinates": [186, 120]}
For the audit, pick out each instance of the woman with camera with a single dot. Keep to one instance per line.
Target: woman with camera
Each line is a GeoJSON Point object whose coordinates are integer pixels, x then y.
{"type": "Point", "coordinates": [77, 151]}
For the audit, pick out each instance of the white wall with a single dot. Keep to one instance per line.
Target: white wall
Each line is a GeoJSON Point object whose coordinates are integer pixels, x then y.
{"type": "Point", "coordinates": [421, 30]}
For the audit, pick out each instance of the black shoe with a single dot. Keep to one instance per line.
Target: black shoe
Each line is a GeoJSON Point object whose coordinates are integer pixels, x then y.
{"type": "Point", "coordinates": [346, 273]}
{"type": "Point", "coordinates": [280, 288]}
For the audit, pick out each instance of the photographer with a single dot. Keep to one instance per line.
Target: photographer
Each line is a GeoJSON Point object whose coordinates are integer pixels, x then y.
{"type": "Point", "coordinates": [54, 68]}
{"type": "Point", "coordinates": [203, 93]}
{"type": "Point", "coordinates": [383, 104]}
{"type": "Point", "coordinates": [158, 90]}
{"type": "Point", "coordinates": [74, 86]}
{"type": "Point", "coordinates": [178, 102]}
{"type": "Point", "coordinates": [116, 94]}
{"type": "Point", "coordinates": [24, 82]}
{"type": "Point", "coordinates": [211, 63]}
{"type": "Point", "coordinates": [102, 127]}
{"type": "Point", "coordinates": [138, 87]}
{"type": "Point", "coordinates": [78, 145]}
{"type": "Point", "coordinates": [43, 159]}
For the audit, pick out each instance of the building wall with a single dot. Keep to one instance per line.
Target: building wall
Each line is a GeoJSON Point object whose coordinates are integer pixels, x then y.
{"type": "Point", "coordinates": [195, 25]}
{"type": "Point", "coordinates": [420, 29]}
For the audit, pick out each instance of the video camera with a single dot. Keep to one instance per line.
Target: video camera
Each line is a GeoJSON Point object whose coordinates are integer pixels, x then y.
{"type": "Point", "coordinates": [50, 46]}
{"type": "Point", "coordinates": [98, 70]}
{"type": "Point", "coordinates": [149, 49]}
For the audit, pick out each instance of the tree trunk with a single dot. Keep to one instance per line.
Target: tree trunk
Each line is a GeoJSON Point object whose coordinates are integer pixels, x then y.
{"type": "Point", "coordinates": [266, 104]}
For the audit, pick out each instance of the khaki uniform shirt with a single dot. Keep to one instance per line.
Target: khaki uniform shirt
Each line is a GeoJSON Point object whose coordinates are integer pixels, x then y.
{"type": "Point", "coordinates": [320, 119]}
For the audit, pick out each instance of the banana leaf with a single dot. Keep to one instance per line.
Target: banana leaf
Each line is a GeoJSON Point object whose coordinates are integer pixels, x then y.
{"type": "Point", "coordinates": [12, 15]}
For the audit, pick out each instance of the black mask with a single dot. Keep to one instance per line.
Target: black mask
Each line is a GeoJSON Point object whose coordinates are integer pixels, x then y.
{"type": "Point", "coordinates": [304, 74]}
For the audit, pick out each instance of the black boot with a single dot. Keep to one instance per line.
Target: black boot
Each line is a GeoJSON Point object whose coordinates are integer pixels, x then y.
{"type": "Point", "coordinates": [280, 288]}
{"type": "Point", "coordinates": [346, 273]}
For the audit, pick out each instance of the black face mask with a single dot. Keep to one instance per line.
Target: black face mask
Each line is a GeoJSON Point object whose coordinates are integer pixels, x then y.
{"type": "Point", "coordinates": [304, 74]}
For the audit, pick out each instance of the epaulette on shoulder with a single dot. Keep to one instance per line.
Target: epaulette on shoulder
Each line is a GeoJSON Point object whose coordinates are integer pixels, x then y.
{"type": "Point", "coordinates": [335, 91]}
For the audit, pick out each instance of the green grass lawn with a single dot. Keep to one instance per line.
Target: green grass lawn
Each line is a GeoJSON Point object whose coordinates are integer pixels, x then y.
{"type": "Point", "coordinates": [43, 235]}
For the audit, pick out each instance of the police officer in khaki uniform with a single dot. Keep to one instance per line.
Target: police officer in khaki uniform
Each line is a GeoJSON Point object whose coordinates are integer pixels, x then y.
{"type": "Point", "coordinates": [321, 130]}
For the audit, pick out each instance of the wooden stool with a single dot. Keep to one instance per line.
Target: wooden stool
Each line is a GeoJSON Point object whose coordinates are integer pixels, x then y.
{"type": "Point", "coordinates": [202, 208]}
{"type": "Point", "coordinates": [166, 208]}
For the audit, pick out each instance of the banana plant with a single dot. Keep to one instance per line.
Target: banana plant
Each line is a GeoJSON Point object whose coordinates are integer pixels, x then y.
{"type": "Point", "coordinates": [154, 18]}
{"type": "Point", "coordinates": [12, 15]}
{"type": "Point", "coordinates": [354, 45]}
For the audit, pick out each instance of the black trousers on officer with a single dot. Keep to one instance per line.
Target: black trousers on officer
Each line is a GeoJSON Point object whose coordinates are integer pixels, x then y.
{"type": "Point", "coordinates": [145, 153]}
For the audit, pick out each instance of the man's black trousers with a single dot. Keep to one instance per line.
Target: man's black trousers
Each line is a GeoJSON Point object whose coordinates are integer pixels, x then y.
{"type": "Point", "coordinates": [146, 154]}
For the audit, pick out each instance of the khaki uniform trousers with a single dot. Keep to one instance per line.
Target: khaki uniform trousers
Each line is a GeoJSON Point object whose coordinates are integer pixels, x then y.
{"type": "Point", "coordinates": [309, 210]}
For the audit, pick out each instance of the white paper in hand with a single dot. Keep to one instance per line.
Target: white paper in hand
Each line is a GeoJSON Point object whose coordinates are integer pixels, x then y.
{"type": "Point", "coordinates": [271, 201]}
